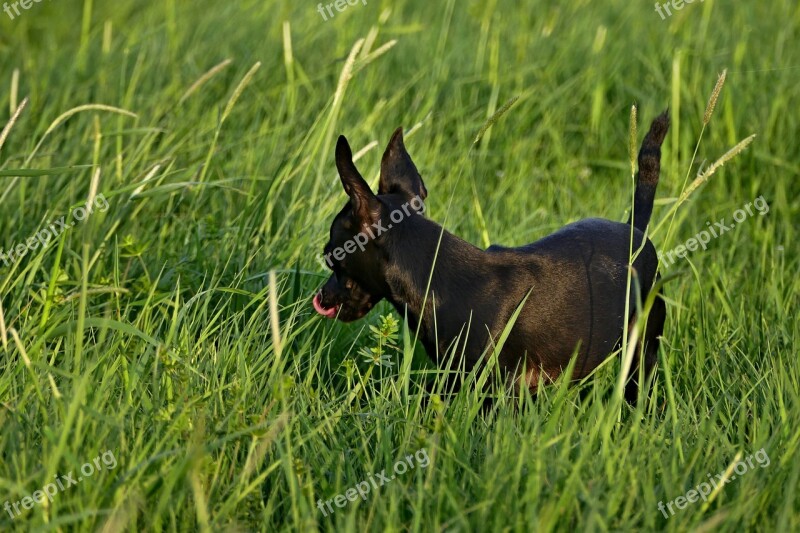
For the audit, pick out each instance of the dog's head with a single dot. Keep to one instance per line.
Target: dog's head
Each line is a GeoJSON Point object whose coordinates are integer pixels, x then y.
{"type": "Point", "coordinates": [357, 249]}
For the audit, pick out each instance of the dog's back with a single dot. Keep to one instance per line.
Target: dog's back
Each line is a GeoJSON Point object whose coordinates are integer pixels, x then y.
{"type": "Point", "coordinates": [577, 279]}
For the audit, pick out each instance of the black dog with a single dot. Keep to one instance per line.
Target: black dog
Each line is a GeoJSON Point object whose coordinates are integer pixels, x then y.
{"type": "Point", "coordinates": [574, 279]}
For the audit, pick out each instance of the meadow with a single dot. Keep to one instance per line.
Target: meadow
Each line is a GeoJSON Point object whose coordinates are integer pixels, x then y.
{"type": "Point", "coordinates": [173, 329]}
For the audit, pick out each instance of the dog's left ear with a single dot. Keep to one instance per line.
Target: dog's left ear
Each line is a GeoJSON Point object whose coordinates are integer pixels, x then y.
{"type": "Point", "coordinates": [399, 175]}
{"type": "Point", "coordinates": [365, 204]}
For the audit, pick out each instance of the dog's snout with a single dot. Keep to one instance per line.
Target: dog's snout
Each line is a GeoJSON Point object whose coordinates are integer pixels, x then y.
{"type": "Point", "coordinates": [321, 307]}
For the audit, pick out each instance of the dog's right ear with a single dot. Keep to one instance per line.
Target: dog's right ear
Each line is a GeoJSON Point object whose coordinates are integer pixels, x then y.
{"type": "Point", "coordinates": [399, 174]}
{"type": "Point", "coordinates": [365, 205]}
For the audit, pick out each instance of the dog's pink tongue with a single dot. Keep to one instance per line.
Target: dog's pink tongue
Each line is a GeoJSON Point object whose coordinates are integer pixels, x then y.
{"type": "Point", "coordinates": [328, 313]}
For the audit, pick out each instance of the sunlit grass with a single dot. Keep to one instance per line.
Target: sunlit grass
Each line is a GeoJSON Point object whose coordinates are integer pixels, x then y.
{"type": "Point", "coordinates": [175, 328]}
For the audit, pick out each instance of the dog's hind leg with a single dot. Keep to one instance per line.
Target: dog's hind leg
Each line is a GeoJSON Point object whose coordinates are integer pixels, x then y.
{"type": "Point", "coordinates": [648, 346]}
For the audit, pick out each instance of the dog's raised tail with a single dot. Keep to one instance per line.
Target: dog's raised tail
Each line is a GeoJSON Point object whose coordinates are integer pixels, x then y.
{"type": "Point", "coordinates": [649, 169]}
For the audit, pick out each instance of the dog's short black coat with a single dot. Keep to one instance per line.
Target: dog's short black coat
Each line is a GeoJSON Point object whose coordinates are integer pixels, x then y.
{"type": "Point", "coordinates": [575, 279]}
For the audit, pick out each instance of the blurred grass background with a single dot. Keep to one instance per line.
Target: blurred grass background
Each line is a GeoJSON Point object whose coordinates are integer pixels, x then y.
{"type": "Point", "coordinates": [153, 329]}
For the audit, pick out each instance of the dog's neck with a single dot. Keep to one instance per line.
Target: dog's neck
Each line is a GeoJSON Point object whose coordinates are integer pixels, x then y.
{"type": "Point", "coordinates": [408, 276]}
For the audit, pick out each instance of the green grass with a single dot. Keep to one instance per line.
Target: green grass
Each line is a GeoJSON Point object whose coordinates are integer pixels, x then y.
{"type": "Point", "coordinates": [175, 328]}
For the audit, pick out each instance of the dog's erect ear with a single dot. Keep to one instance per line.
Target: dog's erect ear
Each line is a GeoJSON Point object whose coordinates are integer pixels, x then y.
{"type": "Point", "coordinates": [399, 175]}
{"type": "Point", "coordinates": [365, 205]}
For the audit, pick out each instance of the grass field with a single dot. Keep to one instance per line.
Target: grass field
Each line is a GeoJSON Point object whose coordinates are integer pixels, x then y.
{"type": "Point", "coordinates": [168, 341]}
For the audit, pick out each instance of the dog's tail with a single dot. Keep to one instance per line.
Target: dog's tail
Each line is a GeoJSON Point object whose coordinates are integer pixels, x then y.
{"type": "Point", "coordinates": [649, 168]}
